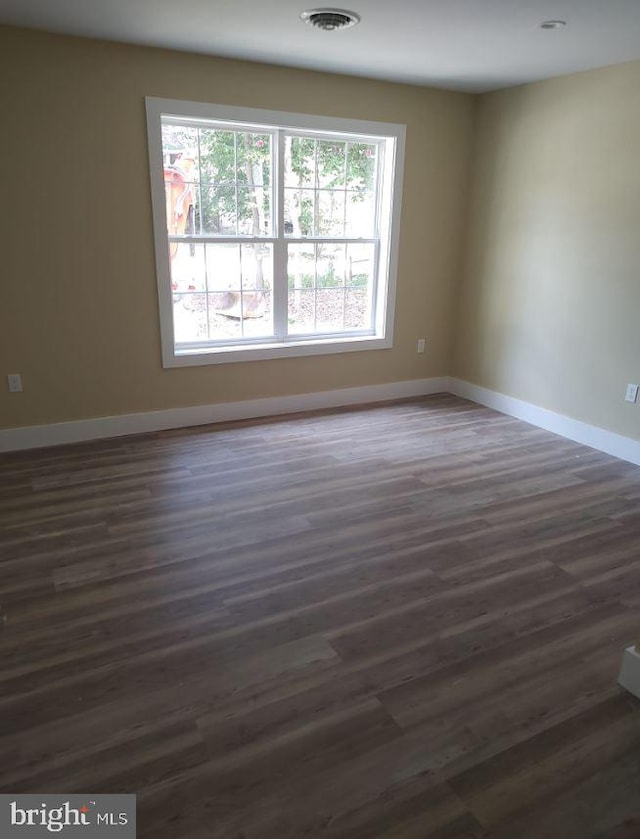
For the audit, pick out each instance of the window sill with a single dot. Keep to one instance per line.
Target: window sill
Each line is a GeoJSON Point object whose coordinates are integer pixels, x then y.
{"type": "Point", "coordinates": [261, 352]}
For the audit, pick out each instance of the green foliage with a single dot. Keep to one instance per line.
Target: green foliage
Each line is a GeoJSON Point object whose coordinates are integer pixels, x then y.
{"type": "Point", "coordinates": [303, 281]}
{"type": "Point", "coordinates": [328, 279]}
{"type": "Point", "coordinates": [328, 164]}
{"type": "Point", "coordinates": [235, 176]}
{"type": "Point", "coordinates": [233, 179]}
{"type": "Point", "coordinates": [316, 165]}
{"type": "Point", "coordinates": [302, 151]}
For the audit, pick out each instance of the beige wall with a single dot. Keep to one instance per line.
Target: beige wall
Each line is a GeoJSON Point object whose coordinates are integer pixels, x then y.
{"type": "Point", "coordinates": [550, 304]}
{"type": "Point", "coordinates": [547, 310]}
{"type": "Point", "coordinates": [78, 312]}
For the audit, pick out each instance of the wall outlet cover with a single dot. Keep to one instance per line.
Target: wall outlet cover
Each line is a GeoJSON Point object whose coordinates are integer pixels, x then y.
{"type": "Point", "coordinates": [632, 393]}
{"type": "Point", "coordinates": [14, 382]}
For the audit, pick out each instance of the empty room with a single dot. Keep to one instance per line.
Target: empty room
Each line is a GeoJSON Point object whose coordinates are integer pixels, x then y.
{"type": "Point", "coordinates": [319, 420]}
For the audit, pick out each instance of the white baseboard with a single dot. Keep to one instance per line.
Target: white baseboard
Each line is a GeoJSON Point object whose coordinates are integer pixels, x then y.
{"type": "Point", "coordinates": [629, 676]}
{"type": "Point", "coordinates": [581, 432]}
{"type": "Point", "coordinates": [37, 436]}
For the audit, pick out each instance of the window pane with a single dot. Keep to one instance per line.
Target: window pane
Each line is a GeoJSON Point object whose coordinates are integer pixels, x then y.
{"type": "Point", "coordinates": [222, 291]}
{"type": "Point", "coordinates": [254, 211]}
{"type": "Point", "coordinates": [359, 272]}
{"type": "Point", "coordinates": [254, 183]}
{"type": "Point", "coordinates": [298, 212]}
{"type": "Point", "coordinates": [359, 265]}
{"type": "Point", "coordinates": [218, 210]}
{"type": "Point", "coordinates": [330, 265]}
{"type": "Point", "coordinates": [190, 318]}
{"type": "Point", "coordinates": [361, 166]}
{"type": "Point", "coordinates": [330, 310]}
{"type": "Point", "coordinates": [330, 164]}
{"type": "Point", "coordinates": [254, 159]}
{"type": "Point", "coordinates": [299, 162]}
{"type": "Point", "coordinates": [188, 268]}
{"type": "Point", "coordinates": [330, 188]}
{"type": "Point", "coordinates": [301, 282]}
{"type": "Point", "coordinates": [180, 202]}
{"type": "Point", "coordinates": [223, 267]}
{"type": "Point", "coordinates": [301, 266]}
{"type": "Point", "coordinates": [311, 212]}
{"type": "Point", "coordinates": [330, 213]}
{"type": "Point", "coordinates": [180, 149]}
{"type": "Point", "coordinates": [360, 214]}
{"type": "Point", "coordinates": [356, 310]}
{"type": "Point", "coordinates": [256, 267]}
{"type": "Point", "coordinates": [240, 285]}
{"type": "Point", "coordinates": [219, 180]}
{"type": "Point", "coordinates": [301, 311]}
{"type": "Point", "coordinates": [329, 287]}
{"type": "Point", "coordinates": [217, 156]}
{"type": "Point", "coordinates": [240, 314]}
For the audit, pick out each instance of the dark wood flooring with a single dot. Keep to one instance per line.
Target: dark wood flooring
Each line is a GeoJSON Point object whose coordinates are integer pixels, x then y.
{"type": "Point", "coordinates": [396, 622]}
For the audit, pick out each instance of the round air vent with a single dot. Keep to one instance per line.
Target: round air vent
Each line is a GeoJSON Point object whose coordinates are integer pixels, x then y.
{"type": "Point", "coordinates": [330, 19]}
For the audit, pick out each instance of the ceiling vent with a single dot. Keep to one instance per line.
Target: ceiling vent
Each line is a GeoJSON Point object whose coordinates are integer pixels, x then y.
{"type": "Point", "coordinates": [330, 19]}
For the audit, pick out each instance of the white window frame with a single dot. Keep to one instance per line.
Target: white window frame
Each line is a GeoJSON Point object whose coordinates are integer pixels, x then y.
{"type": "Point", "coordinates": [392, 137]}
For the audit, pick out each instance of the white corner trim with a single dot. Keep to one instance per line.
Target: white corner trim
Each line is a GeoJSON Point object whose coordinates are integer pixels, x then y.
{"type": "Point", "coordinates": [573, 429]}
{"type": "Point", "coordinates": [37, 436]}
{"type": "Point", "coordinates": [629, 677]}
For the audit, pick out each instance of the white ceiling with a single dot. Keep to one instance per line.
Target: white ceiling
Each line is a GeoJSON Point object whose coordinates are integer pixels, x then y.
{"type": "Point", "coordinates": [474, 45]}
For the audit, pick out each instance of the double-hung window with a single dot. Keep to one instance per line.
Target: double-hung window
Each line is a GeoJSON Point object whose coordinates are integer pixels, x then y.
{"type": "Point", "coordinates": [276, 234]}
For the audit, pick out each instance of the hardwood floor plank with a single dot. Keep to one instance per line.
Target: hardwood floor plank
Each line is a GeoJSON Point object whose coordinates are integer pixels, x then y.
{"type": "Point", "coordinates": [400, 621]}
{"type": "Point", "coordinates": [550, 762]}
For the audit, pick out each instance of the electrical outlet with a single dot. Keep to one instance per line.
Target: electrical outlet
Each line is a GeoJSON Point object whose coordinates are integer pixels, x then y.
{"type": "Point", "coordinates": [14, 381]}
{"type": "Point", "coordinates": [631, 394]}
{"type": "Point", "coordinates": [421, 342]}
